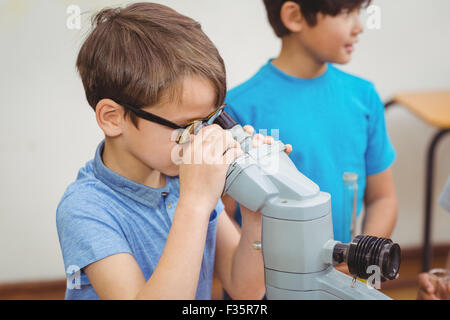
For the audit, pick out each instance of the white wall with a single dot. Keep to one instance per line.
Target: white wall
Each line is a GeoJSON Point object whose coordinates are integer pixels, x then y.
{"type": "Point", "coordinates": [48, 131]}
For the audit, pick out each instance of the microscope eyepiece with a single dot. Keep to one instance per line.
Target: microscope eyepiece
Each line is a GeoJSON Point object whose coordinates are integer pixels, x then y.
{"type": "Point", "coordinates": [391, 264]}
{"type": "Point", "coordinates": [225, 121]}
{"type": "Point", "coordinates": [366, 251]}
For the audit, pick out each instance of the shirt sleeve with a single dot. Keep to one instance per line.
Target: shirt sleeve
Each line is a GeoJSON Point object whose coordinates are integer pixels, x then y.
{"type": "Point", "coordinates": [87, 232]}
{"type": "Point", "coordinates": [220, 207]}
{"type": "Point", "coordinates": [380, 153]}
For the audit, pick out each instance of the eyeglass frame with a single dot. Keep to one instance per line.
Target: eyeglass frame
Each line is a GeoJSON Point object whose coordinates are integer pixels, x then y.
{"type": "Point", "coordinates": [167, 123]}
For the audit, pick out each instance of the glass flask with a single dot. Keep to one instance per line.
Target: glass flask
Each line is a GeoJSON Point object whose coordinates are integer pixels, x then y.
{"type": "Point", "coordinates": [350, 196]}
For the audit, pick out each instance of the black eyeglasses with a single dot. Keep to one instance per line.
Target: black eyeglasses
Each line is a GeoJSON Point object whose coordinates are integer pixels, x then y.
{"type": "Point", "coordinates": [185, 131]}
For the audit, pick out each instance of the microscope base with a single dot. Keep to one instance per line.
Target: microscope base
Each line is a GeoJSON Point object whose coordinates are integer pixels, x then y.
{"type": "Point", "coordinates": [328, 284]}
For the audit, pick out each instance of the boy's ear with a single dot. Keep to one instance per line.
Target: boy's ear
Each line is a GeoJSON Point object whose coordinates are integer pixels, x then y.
{"type": "Point", "coordinates": [291, 16]}
{"type": "Point", "coordinates": [110, 117]}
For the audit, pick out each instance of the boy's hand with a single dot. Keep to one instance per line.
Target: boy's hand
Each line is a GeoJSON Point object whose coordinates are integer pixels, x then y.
{"type": "Point", "coordinates": [259, 139]}
{"type": "Point", "coordinates": [205, 162]}
{"type": "Point", "coordinates": [426, 288]}
{"type": "Point", "coordinates": [427, 291]}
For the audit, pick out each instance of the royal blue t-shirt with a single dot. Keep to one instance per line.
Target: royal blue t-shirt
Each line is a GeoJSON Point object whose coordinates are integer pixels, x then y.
{"type": "Point", "coordinates": [335, 124]}
{"type": "Point", "coordinates": [103, 213]}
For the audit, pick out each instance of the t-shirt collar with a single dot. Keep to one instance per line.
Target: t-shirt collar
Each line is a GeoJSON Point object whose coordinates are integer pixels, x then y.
{"type": "Point", "coordinates": [270, 67]}
{"type": "Point", "coordinates": [150, 197]}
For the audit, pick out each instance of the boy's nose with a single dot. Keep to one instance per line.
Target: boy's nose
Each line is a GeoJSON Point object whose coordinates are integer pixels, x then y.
{"type": "Point", "coordinates": [358, 26]}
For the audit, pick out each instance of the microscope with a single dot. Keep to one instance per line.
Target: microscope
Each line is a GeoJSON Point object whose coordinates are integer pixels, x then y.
{"type": "Point", "coordinates": [297, 244]}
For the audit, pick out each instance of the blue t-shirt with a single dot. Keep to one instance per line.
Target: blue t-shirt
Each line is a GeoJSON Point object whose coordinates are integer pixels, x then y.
{"type": "Point", "coordinates": [335, 124]}
{"type": "Point", "coordinates": [103, 213]}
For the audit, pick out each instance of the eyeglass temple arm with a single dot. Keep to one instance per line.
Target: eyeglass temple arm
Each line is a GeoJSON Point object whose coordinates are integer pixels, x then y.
{"type": "Point", "coordinates": [152, 117]}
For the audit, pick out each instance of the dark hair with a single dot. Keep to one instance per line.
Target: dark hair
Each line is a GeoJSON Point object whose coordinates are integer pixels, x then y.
{"type": "Point", "coordinates": [310, 9]}
{"type": "Point", "coordinates": [139, 55]}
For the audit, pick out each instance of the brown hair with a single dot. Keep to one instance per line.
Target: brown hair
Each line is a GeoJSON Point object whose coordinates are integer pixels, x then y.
{"type": "Point", "coordinates": [310, 9]}
{"type": "Point", "coordinates": [139, 55]}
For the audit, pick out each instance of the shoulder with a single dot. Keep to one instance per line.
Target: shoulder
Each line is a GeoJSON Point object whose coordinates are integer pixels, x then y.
{"type": "Point", "coordinates": [85, 197]}
{"type": "Point", "coordinates": [350, 79]}
{"type": "Point", "coordinates": [357, 87]}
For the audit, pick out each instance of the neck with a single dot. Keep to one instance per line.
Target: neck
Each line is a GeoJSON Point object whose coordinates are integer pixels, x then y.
{"type": "Point", "coordinates": [297, 61]}
{"type": "Point", "coordinates": [128, 166]}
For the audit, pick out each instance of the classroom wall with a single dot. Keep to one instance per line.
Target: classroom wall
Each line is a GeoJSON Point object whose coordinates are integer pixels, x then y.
{"type": "Point", "coordinates": [48, 131]}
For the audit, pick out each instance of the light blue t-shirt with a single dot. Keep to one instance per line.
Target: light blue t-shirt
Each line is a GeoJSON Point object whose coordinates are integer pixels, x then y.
{"type": "Point", "coordinates": [103, 213]}
{"type": "Point", "coordinates": [335, 124]}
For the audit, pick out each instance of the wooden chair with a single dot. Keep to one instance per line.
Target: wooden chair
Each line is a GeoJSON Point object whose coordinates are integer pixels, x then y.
{"type": "Point", "coordinates": [432, 107]}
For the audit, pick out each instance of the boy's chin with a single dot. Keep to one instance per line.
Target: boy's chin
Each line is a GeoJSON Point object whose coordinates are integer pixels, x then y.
{"type": "Point", "coordinates": [172, 171]}
{"type": "Point", "coordinates": [343, 59]}
{"type": "Point", "coordinates": [340, 61]}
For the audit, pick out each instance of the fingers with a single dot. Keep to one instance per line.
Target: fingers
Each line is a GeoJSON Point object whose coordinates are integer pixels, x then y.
{"type": "Point", "coordinates": [216, 142]}
{"type": "Point", "coordinates": [229, 142]}
{"type": "Point", "coordinates": [425, 283]}
{"type": "Point", "coordinates": [232, 154]}
{"type": "Point", "coordinates": [257, 140]}
{"type": "Point", "coordinates": [217, 145]}
{"type": "Point", "coordinates": [249, 129]}
{"type": "Point", "coordinates": [233, 149]}
{"type": "Point", "coordinates": [288, 149]}
{"type": "Point", "coordinates": [269, 140]}
{"type": "Point", "coordinates": [423, 295]}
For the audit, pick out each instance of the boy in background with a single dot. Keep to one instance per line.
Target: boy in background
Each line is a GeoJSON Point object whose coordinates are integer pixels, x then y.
{"type": "Point", "coordinates": [334, 120]}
